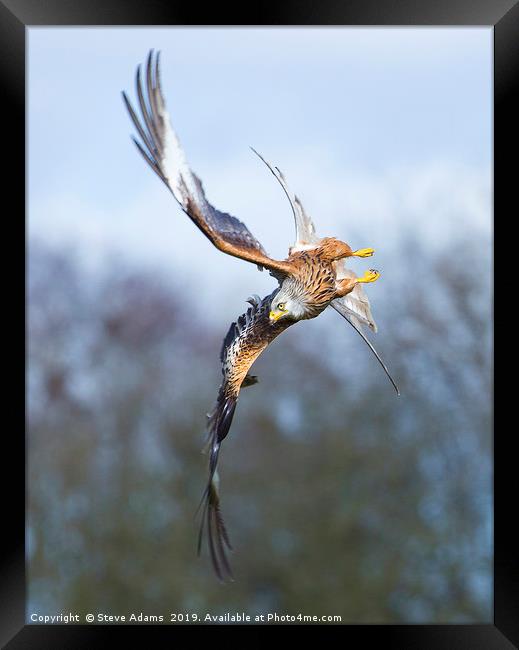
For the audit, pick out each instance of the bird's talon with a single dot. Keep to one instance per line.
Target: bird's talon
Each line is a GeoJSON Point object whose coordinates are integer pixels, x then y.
{"type": "Point", "coordinates": [369, 276]}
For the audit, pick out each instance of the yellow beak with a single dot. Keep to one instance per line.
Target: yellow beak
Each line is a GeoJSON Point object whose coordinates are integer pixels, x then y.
{"type": "Point", "coordinates": [275, 315]}
{"type": "Point", "coordinates": [364, 252]}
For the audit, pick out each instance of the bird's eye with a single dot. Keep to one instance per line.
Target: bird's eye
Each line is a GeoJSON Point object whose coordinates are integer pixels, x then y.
{"type": "Point", "coordinates": [281, 306]}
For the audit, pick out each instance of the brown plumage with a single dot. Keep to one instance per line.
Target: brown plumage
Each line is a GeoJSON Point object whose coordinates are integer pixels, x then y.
{"type": "Point", "coordinates": [245, 341]}
{"type": "Point", "coordinates": [313, 277]}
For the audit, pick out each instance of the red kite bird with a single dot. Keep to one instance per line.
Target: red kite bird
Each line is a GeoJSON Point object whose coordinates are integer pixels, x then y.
{"type": "Point", "coordinates": [313, 277]}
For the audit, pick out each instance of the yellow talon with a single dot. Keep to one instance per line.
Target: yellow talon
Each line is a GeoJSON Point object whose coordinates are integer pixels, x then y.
{"type": "Point", "coordinates": [369, 276]}
{"type": "Point", "coordinates": [364, 252]}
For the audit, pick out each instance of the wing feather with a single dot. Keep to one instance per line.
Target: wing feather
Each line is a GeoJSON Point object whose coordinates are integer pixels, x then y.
{"type": "Point", "coordinates": [161, 149]}
{"type": "Point", "coordinates": [354, 322]}
{"type": "Point", "coordinates": [245, 341]}
{"type": "Point", "coordinates": [356, 303]}
{"type": "Point", "coordinates": [305, 229]}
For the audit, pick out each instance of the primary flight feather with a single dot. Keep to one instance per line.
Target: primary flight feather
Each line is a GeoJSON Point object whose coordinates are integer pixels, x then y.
{"type": "Point", "coordinates": [313, 277]}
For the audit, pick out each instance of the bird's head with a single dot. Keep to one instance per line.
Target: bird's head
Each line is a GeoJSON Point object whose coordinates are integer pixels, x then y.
{"type": "Point", "coordinates": [287, 304]}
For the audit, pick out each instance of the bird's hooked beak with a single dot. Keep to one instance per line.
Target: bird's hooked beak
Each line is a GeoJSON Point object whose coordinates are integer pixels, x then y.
{"type": "Point", "coordinates": [275, 315]}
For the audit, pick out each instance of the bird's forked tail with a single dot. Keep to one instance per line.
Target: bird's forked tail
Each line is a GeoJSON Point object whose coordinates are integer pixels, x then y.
{"type": "Point", "coordinates": [219, 422]}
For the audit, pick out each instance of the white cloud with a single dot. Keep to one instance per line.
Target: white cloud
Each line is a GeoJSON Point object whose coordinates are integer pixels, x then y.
{"type": "Point", "coordinates": [381, 133]}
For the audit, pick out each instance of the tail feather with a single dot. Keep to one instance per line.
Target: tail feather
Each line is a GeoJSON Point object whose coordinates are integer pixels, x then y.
{"type": "Point", "coordinates": [217, 536]}
{"type": "Point", "coordinates": [219, 422]}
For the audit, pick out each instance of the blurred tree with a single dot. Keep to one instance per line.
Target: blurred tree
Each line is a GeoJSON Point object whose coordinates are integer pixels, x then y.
{"type": "Point", "coordinates": [340, 498]}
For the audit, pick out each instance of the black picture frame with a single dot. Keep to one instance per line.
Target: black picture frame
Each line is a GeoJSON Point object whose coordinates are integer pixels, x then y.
{"type": "Point", "coordinates": [15, 17]}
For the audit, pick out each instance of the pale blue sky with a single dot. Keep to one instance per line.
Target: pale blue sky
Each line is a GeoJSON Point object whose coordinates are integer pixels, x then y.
{"type": "Point", "coordinates": [380, 131]}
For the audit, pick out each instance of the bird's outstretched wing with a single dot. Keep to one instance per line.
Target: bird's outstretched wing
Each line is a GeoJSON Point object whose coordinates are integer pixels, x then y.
{"type": "Point", "coordinates": [305, 229]}
{"type": "Point", "coordinates": [161, 149]}
{"type": "Point", "coordinates": [244, 342]}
